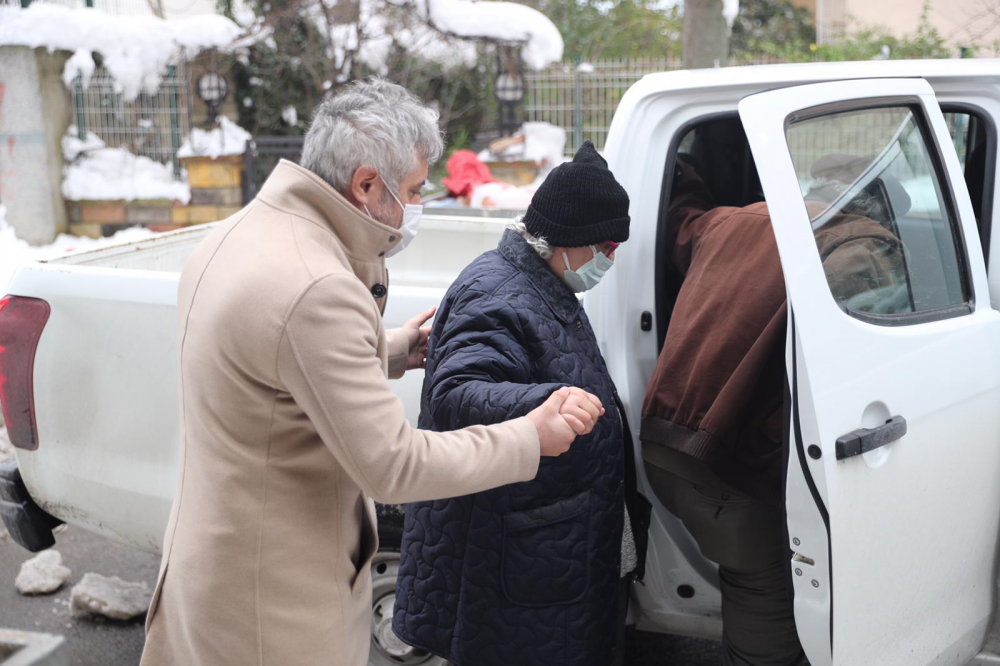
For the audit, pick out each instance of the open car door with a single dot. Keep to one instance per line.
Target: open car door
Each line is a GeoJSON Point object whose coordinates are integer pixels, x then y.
{"type": "Point", "coordinates": [893, 486]}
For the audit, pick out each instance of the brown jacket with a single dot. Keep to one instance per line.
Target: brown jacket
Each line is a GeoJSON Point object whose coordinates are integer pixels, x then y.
{"type": "Point", "coordinates": [714, 404]}
{"type": "Point", "coordinates": [290, 429]}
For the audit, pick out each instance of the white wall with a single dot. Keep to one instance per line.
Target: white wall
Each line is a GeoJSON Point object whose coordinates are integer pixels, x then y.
{"type": "Point", "coordinates": [34, 115]}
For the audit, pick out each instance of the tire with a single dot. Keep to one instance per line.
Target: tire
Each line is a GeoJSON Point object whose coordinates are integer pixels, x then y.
{"type": "Point", "coordinates": [386, 648]}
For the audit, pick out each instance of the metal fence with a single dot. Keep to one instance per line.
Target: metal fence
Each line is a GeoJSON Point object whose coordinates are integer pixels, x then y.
{"type": "Point", "coordinates": [153, 125]}
{"type": "Point", "coordinates": [583, 98]}
{"type": "Point", "coordinates": [263, 154]}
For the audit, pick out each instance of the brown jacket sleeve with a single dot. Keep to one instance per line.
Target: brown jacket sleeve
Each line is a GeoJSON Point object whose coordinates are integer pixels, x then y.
{"type": "Point", "coordinates": [687, 219]}
{"type": "Point", "coordinates": [328, 361]}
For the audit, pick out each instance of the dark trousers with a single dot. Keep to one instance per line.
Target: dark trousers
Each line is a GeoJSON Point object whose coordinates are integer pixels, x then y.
{"type": "Point", "coordinates": [747, 540]}
{"type": "Point", "coordinates": [623, 600]}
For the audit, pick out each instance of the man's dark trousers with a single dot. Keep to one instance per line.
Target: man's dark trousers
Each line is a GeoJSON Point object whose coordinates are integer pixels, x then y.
{"type": "Point", "coordinates": [748, 540]}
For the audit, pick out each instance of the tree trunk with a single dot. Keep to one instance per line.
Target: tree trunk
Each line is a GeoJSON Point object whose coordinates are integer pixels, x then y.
{"type": "Point", "coordinates": [706, 35]}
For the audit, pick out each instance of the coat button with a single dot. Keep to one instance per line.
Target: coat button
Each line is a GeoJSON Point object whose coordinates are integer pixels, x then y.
{"type": "Point", "coordinates": [378, 291]}
{"type": "Point", "coordinates": [392, 239]}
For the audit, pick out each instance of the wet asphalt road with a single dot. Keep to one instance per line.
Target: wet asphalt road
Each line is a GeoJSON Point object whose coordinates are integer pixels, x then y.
{"type": "Point", "coordinates": [96, 642]}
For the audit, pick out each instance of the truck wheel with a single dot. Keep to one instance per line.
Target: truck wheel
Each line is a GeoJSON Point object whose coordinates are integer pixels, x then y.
{"type": "Point", "coordinates": [387, 649]}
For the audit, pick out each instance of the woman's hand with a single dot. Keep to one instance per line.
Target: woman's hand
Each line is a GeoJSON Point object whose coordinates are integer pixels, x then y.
{"type": "Point", "coordinates": [417, 336]}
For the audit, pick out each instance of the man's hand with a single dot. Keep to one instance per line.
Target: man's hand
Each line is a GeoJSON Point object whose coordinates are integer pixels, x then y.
{"type": "Point", "coordinates": [581, 410]}
{"type": "Point", "coordinates": [557, 431]}
{"type": "Point", "coordinates": [417, 335]}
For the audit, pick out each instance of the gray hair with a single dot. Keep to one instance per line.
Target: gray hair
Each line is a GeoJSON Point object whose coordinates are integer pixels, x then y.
{"type": "Point", "coordinates": [371, 123]}
{"type": "Point", "coordinates": [539, 245]}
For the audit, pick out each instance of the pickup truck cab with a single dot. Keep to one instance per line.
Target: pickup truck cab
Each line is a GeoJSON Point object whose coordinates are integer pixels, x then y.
{"type": "Point", "coordinates": [892, 430]}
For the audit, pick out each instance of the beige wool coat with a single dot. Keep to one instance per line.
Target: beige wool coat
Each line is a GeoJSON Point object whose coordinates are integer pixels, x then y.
{"type": "Point", "coordinates": [290, 430]}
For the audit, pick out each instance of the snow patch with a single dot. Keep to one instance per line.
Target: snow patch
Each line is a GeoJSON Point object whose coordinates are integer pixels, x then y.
{"type": "Point", "coordinates": [730, 9]}
{"type": "Point", "coordinates": [136, 49]}
{"type": "Point", "coordinates": [42, 574]}
{"type": "Point", "coordinates": [111, 597]}
{"type": "Point", "coordinates": [73, 146]}
{"type": "Point", "coordinates": [15, 252]}
{"type": "Point", "coordinates": [226, 139]}
{"type": "Point", "coordinates": [101, 173]}
{"type": "Point", "coordinates": [500, 21]}
{"type": "Point", "coordinates": [290, 116]}
{"type": "Point", "coordinates": [80, 64]}
{"type": "Point", "coordinates": [585, 68]}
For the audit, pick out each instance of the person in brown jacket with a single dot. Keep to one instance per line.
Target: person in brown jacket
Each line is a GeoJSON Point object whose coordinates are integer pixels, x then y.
{"type": "Point", "coordinates": [290, 428]}
{"type": "Point", "coordinates": [713, 414]}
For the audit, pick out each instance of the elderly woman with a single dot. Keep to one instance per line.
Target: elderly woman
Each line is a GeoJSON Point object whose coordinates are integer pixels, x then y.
{"type": "Point", "coordinates": [529, 573]}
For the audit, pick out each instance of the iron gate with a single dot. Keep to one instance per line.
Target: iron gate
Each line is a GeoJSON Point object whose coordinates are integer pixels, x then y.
{"type": "Point", "coordinates": [263, 154]}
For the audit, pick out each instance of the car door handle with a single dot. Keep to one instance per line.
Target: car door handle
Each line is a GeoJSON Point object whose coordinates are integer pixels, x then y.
{"type": "Point", "coordinates": [864, 440]}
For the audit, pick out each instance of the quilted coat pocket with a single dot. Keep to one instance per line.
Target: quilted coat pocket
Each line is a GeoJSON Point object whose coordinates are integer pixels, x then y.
{"type": "Point", "coordinates": [545, 553]}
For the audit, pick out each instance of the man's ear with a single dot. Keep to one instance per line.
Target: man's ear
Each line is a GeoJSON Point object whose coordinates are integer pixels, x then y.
{"type": "Point", "coordinates": [365, 186]}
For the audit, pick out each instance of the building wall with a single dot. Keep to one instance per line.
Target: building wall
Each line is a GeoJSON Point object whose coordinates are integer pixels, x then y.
{"type": "Point", "coordinates": [960, 22]}
{"type": "Point", "coordinates": [34, 115]}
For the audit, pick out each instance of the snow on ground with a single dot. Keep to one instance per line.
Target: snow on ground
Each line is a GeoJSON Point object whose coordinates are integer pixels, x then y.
{"type": "Point", "coordinates": [136, 49]}
{"type": "Point", "coordinates": [42, 574]}
{"type": "Point", "coordinates": [226, 139]}
{"type": "Point", "coordinates": [95, 172]}
{"type": "Point", "coordinates": [15, 252]}
{"type": "Point", "coordinates": [110, 596]}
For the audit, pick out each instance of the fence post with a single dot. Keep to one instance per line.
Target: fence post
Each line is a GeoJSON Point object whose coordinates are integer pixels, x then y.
{"type": "Point", "coordinates": [81, 117]}
{"type": "Point", "coordinates": [577, 106]}
{"type": "Point", "coordinates": [249, 175]}
{"type": "Point", "coordinates": [175, 137]}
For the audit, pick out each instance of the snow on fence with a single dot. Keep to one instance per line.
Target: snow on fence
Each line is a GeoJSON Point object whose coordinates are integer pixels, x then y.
{"type": "Point", "coordinates": [153, 125]}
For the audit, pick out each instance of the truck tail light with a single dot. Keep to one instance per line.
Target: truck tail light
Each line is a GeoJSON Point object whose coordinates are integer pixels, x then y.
{"type": "Point", "coordinates": [21, 324]}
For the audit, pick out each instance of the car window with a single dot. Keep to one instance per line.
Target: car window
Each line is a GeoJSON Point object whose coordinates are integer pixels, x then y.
{"type": "Point", "coordinates": [883, 224]}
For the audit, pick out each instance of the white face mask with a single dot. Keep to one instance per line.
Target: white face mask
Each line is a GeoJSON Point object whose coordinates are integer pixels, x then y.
{"type": "Point", "coordinates": [411, 221]}
{"type": "Point", "coordinates": [587, 276]}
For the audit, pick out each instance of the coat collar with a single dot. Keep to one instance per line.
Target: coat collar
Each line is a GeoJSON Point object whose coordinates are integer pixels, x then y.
{"type": "Point", "coordinates": [557, 293]}
{"type": "Point", "coordinates": [293, 189]}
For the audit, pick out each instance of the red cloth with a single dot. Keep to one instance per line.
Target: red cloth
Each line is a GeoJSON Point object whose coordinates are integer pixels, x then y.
{"type": "Point", "coordinates": [465, 172]}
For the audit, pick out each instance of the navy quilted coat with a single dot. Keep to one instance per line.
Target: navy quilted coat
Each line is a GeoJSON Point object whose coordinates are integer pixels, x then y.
{"type": "Point", "coordinates": [525, 574]}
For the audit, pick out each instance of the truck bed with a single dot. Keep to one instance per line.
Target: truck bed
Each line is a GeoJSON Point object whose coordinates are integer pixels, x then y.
{"type": "Point", "coordinates": [105, 372]}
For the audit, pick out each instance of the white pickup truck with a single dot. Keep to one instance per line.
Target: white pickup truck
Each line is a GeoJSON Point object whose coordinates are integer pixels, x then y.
{"type": "Point", "coordinates": [893, 421]}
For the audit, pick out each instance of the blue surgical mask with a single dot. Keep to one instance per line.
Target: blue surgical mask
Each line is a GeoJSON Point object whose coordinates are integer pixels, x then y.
{"type": "Point", "coordinates": [587, 276]}
{"type": "Point", "coordinates": [411, 221]}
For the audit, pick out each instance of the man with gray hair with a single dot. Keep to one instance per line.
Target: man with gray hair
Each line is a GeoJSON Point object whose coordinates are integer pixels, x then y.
{"type": "Point", "coordinates": [290, 429]}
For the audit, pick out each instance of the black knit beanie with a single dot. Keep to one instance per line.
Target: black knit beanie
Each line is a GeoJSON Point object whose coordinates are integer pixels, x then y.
{"type": "Point", "coordinates": [579, 204]}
